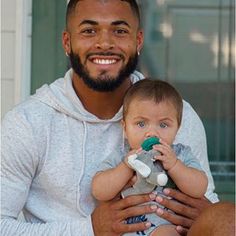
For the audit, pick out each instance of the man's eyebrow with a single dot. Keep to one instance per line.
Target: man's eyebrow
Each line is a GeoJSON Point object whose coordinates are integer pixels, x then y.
{"type": "Point", "coordinates": [89, 22]}
{"type": "Point", "coordinates": [120, 22]}
{"type": "Point", "coordinates": [114, 23]}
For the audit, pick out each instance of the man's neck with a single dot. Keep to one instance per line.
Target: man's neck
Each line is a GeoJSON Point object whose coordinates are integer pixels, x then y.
{"type": "Point", "coordinates": [104, 105]}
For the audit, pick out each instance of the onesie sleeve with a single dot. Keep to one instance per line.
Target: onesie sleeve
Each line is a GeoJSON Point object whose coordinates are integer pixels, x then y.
{"type": "Point", "coordinates": [185, 154]}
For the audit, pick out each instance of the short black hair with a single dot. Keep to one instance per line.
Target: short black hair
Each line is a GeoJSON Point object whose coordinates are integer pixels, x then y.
{"type": "Point", "coordinates": [72, 4]}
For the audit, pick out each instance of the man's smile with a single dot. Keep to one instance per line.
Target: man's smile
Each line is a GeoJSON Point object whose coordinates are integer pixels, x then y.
{"type": "Point", "coordinates": [104, 61]}
{"type": "Point", "coordinates": [105, 58]}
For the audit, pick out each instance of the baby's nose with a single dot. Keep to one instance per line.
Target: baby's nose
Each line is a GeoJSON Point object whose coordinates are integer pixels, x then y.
{"type": "Point", "coordinates": [151, 134]}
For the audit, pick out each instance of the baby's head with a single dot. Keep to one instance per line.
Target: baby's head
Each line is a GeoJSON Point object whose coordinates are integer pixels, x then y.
{"type": "Point", "coordinates": [151, 108]}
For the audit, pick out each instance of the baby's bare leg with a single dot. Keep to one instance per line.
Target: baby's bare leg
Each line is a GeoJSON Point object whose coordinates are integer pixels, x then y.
{"type": "Point", "coordinates": [165, 230]}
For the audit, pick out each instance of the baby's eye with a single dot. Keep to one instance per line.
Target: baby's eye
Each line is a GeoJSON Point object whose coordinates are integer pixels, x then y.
{"type": "Point", "coordinates": [163, 125]}
{"type": "Point", "coordinates": [141, 124]}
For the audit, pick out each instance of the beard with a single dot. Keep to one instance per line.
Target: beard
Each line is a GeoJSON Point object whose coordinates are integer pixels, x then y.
{"type": "Point", "coordinates": [103, 82]}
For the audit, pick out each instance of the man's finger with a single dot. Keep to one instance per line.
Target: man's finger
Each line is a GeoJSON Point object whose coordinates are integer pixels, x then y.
{"type": "Point", "coordinates": [181, 230]}
{"type": "Point", "coordinates": [174, 218]}
{"type": "Point", "coordinates": [137, 210]}
{"type": "Point", "coordinates": [177, 207]}
{"type": "Point", "coordinates": [124, 228]}
{"type": "Point", "coordinates": [133, 201]}
{"type": "Point", "coordinates": [177, 195]}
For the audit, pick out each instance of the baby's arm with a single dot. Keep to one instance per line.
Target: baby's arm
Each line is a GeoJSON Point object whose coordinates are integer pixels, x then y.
{"type": "Point", "coordinates": [189, 180]}
{"type": "Point", "coordinates": [107, 184]}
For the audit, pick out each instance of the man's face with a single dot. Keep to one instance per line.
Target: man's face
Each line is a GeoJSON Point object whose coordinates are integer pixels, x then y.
{"type": "Point", "coordinates": [103, 40]}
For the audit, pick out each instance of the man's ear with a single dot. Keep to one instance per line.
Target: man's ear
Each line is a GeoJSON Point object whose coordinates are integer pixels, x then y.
{"type": "Point", "coordinates": [66, 42]}
{"type": "Point", "coordinates": [140, 39]}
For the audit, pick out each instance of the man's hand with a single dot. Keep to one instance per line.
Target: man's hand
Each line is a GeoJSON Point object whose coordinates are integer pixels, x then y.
{"type": "Point", "coordinates": [109, 217]}
{"type": "Point", "coordinates": [186, 209]}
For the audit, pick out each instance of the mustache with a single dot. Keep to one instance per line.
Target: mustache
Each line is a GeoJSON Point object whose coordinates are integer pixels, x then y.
{"type": "Point", "coordinates": [105, 54]}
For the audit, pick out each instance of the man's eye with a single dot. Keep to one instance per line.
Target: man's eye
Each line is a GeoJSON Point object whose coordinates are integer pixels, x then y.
{"type": "Point", "coordinates": [163, 125]}
{"type": "Point", "coordinates": [121, 31]}
{"type": "Point", "coordinates": [141, 124]}
{"type": "Point", "coordinates": [88, 31]}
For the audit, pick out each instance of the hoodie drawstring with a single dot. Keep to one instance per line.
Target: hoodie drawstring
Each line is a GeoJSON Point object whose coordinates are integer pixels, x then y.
{"type": "Point", "coordinates": [82, 169]}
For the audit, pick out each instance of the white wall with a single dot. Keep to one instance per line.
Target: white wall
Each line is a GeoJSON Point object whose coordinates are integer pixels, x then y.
{"type": "Point", "coordinates": [16, 17]}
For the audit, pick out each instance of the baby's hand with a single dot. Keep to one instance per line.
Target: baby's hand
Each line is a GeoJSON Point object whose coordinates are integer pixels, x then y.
{"type": "Point", "coordinates": [134, 151]}
{"type": "Point", "coordinates": [167, 157]}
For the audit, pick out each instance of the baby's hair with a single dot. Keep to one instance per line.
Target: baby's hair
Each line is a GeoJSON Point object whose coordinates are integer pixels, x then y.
{"type": "Point", "coordinates": [156, 90]}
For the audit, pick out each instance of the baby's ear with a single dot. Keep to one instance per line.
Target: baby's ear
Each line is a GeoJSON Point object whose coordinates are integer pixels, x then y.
{"type": "Point", "coordinates": [123, 126]}
{"type": "Point", "coordinates": [122, 123]}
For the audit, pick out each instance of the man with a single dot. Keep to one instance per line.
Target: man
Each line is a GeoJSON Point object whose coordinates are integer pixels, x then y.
{"type": "Point", "coordinates": [216, 220]}
{"type": "Point", "coordinates": [53, 142]}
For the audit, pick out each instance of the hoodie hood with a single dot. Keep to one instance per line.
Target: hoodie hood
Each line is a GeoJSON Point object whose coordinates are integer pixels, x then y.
{"type": "Point", "coordinates": [61, 96]}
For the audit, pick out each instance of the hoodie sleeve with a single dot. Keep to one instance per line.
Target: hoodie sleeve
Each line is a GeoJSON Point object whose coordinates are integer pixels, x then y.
{"type": "Point", "coordinates": [19, 165]}
{"type": "Point", "coordinates": [192, 134]}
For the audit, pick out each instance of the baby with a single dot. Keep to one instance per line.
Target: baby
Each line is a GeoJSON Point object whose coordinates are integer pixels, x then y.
{"type": "Point", "coordinates": [152, 108]}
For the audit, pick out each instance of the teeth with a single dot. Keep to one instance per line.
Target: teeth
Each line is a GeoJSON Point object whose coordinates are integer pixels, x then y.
{"type": "Point", "coordinates": [104, 61]}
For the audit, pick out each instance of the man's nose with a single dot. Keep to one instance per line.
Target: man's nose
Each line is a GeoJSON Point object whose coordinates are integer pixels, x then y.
{"type": "Point", "coordinates": [105, 41]}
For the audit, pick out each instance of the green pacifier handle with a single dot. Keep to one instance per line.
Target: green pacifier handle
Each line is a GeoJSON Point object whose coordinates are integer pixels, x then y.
{"type": "Point", "coordinates": [148, 143]}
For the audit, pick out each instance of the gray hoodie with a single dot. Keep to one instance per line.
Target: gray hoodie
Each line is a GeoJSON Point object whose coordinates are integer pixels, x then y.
{"type": "Point", "coordinates": [51, 148]}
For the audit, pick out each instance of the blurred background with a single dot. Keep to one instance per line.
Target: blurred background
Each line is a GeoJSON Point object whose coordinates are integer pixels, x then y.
{"type": "Point", "coordinates": [189, 43]}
